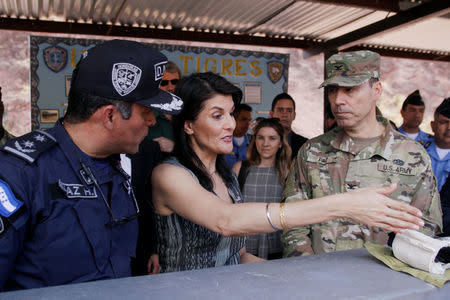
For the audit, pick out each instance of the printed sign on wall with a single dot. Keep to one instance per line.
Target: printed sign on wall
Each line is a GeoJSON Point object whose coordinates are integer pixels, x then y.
{"type": "Point", "coordinates": [260, 75]}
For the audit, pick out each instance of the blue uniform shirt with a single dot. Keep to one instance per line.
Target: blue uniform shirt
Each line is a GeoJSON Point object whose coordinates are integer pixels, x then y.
{"type": "Point", "coordinates": [441, 167]}
{"type": "Point", "coordinates": [422, 137]}
{"type": "Point", "coordinates": [59, 229]}
{"type": "Point", "coordinates": [239, 152]}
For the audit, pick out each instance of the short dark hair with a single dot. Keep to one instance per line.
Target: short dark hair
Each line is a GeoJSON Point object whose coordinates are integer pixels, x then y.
{"type": "Point", "coordinates": [241, 107]}
{"type": "Point", "coordinates": [282, 96]}
{"type": "Point", "coordinates": [195, 90]}
{"type": "Point", "coordinates": [414, 99]}
{"type": "Point", "coordinates": [81, 106]}
{"type": "Point", "coordinates": [373, 80]}
{"type": "Point", "coordinates": [172, 67]}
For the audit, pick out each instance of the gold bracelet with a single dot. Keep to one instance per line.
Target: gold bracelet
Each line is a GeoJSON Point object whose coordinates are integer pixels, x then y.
{"type": "Point", "coordinates": [282, 217]}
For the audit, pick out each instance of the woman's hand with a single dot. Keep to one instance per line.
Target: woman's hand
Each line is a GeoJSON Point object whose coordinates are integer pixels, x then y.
{"type": "Point", "coordinates": [153, 266]}
{"type": "Point", "coordinates": [371, 206]}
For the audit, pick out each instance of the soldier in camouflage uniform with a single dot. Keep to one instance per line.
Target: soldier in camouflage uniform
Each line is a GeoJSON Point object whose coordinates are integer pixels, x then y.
{"type": "Point", "coordinates": [364, 150]}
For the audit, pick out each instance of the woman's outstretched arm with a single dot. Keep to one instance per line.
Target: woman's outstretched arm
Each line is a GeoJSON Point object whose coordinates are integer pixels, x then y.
{"type": "Point", "coordinates": [175, 190]}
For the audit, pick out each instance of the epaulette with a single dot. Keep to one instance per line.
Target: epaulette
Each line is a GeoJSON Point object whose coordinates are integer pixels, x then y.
{"type": "Point", "coordinates": [30, 145]}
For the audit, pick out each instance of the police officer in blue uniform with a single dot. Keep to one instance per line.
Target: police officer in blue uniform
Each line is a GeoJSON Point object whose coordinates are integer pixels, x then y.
{"type": "Point", "coordinates": [412, 112]}
{"type": "Point", "coordinates": [67, 209]}
{"type": "Point", "coordinates": [439, 150]}
{"type": "Point", "coordinates": [241, 137]}
{"type": "Point", "coordinates": [438, 146]}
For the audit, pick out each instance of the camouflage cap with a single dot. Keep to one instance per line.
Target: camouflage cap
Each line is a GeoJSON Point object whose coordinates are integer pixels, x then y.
{"type": "Point", "coordinates": [351, 68]}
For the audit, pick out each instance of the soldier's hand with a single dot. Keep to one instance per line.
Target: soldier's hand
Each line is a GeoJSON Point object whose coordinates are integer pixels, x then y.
{"type": "Point", "coordinates": [371, 206]}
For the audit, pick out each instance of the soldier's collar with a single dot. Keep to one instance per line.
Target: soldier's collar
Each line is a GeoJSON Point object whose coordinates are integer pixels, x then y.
{"type": "Point", "coordinates": [344, 143]}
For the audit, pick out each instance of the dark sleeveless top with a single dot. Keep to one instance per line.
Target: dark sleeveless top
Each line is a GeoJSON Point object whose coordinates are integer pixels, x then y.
{"type": "Point", "coordinates": [184, 245]}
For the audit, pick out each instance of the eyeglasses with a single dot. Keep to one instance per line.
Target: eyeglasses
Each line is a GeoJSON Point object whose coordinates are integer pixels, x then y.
{"type": "Point", "coordinates": [166, 82]}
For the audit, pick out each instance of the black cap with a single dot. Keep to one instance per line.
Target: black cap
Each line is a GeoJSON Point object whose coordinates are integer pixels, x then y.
{"type": "Point", "coordinates": [444, 108]}
{"type": "Point", "coordinates": [414, 98]}
{"type": "Point", "coordinates": [127, 71]}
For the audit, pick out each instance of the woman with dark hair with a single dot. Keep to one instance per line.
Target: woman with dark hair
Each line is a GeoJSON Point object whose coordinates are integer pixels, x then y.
{"type": "Point", "coordinates": [200, 216]}
{"type": "Point", "coordinates": [262, 177]}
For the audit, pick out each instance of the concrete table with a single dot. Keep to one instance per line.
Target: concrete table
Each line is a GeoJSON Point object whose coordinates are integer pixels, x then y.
{"type": "Point", "coordinates": [352, 274]}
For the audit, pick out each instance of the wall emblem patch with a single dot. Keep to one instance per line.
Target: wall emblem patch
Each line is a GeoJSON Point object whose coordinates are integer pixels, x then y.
{"type": "Point", "coordinates": [55, 58]}
{"type": "Point", "coordinates": [275, 71]}
{"type": "Point", "coordinates": [125, 77]}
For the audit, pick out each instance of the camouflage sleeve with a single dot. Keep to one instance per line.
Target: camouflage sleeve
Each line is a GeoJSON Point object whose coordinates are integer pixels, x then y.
{"type": "Point", "coordinates": [426, 198]}
{"type": "Point", "coordinates": [296, 241]}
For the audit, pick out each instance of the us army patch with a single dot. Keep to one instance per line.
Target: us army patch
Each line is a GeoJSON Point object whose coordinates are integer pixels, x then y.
{"type": "Point", "coordinates": [74, 190]}
{"type": "Point", "coordinates": [396, 169]}
{"type": "Point", "coordinates": [31, 145]}
{"type": "Point", "coordinates": [8, 202]}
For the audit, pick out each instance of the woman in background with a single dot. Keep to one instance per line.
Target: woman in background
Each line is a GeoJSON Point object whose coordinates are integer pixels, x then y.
{"type": "Point", "coordinates": [201, 220]}
{"type": "Point", "coordinates": [262, 177]}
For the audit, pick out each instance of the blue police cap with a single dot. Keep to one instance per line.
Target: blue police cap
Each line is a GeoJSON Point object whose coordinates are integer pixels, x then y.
{"type": "Point", "coordinates": [127, 71]}
{"type": "Point", "coordinates": [444, 108]}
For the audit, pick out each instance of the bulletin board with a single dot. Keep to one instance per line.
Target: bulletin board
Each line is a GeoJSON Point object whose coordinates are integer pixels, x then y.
{"type": "Point", "coordinates": [260, 75]}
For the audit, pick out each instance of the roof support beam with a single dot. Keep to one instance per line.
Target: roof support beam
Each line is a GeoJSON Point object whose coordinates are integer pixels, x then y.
{"type": "Point", "coordinates": [387, 5]}
{"type": "Point", "coordinates": [268, 18]}
{"type": "Point", "coordinates": [154, 33]}
{"type": "Point", "coordinates": [408, 17]}
{"type": "Point", "coordinates": [117, 16]}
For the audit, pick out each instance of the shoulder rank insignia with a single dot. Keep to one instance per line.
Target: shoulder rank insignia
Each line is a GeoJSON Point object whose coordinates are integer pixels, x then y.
{"type": "Point", "coordinates": [30, 145]}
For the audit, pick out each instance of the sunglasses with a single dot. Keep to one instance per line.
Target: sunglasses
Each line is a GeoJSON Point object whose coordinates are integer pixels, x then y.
{"type": "Point", "coordinates": [172, 81]}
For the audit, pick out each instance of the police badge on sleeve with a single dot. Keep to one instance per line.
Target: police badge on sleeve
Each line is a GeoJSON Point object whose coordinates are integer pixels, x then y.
{"type": "Point", "coordinates": [8, 202]}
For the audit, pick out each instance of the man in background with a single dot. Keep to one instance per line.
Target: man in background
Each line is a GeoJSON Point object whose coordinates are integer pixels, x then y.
{"type": "Point", "coordinates": [364, 150]}
{"type": "Point", "coordinates": [161, 132]}
{"type": "Point", "coordinates": [438, 148]}
{"type": "Point", "coordinates": [412, 112]}
{"type": "Point", "coordinates": [241, 138]}
{"type": "Point", "coordinates": [156, 145]}
{"type": "Point", "coordinates": [283, 108]}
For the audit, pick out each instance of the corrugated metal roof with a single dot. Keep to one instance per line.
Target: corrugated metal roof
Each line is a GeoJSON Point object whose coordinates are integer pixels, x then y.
{"type": "Point", "coordinates": [316, 21]}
